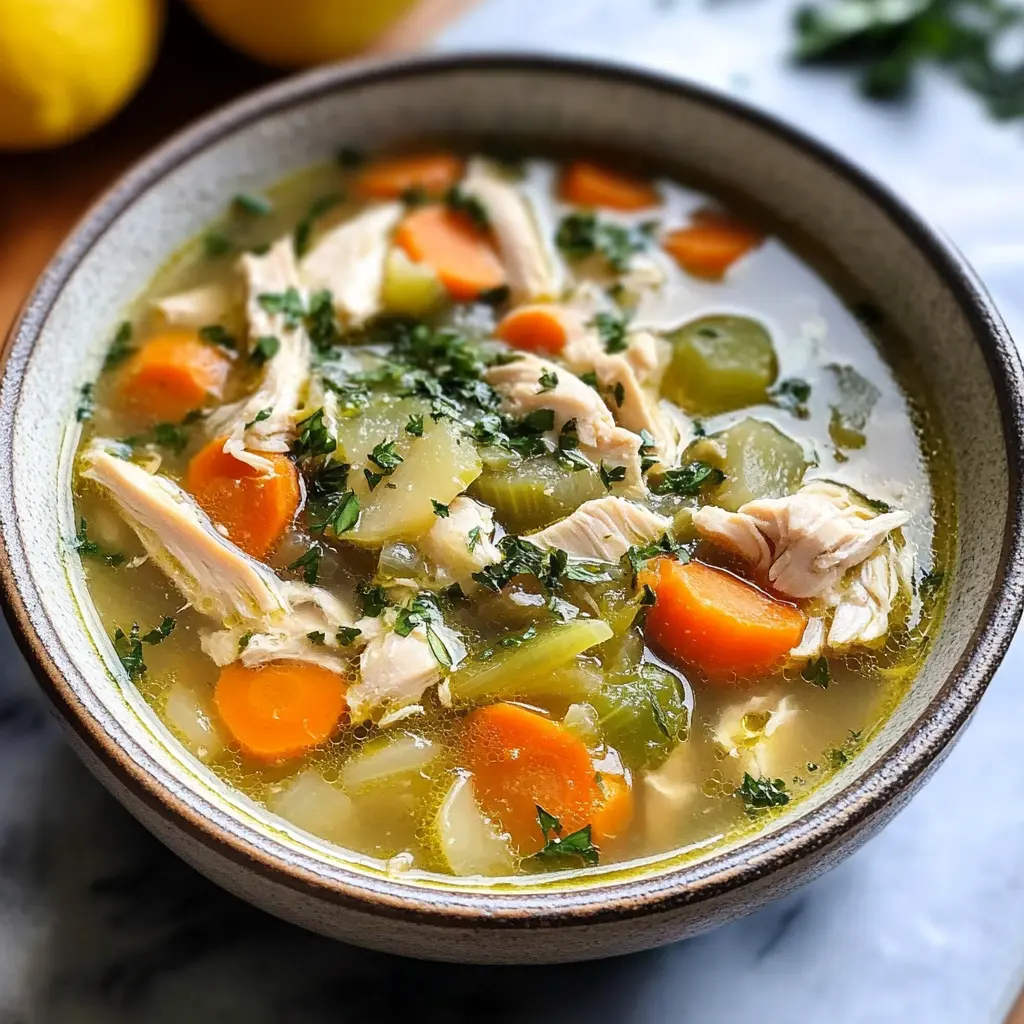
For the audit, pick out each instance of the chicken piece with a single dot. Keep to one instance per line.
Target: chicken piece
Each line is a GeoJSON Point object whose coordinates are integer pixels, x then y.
{"type": "Point", "coordinates": [214, 576]}
{"type": "Point", "coordinates": [805, 542]}
{"type": "Point", "coordinates": [453, 551]}
{"type": "Point", "coordinates": [601, 439]}
{"type": "Point", "coordinates": [196, 307]}
{"type": "Point", "coordinates": [533, 273]}
{"type": "Point", "coordinates": [602, 530]}
{"type": "Point", "coordinates": [395, 671]}
{"type": "Point", "coordinates": [285, 374]}
{"type": "Point", "coordinates": [812, 643]}
{"type": "Point", "coordinates": [667, 793]}
{"type": "Point", "coordinates": [747, 734]}
{"type": "Point", "coordinates": [627, 380]}
{"type": "Point", "coordinates": [866, 601]}
{"type": "Point", "coordinates": [349, 262]}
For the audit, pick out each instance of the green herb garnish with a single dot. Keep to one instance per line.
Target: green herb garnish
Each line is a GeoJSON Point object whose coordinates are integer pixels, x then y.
{"type": "Point", "coordinates": [120, 348]}
{"type": "Point", "coordinates": [816, 672]}
{"type": "Point", "coordinates": [762, 793]}
{"type": "Point", "coordinates": [576, 844]}
{"type": "Point", "coordinates": [309, 563]}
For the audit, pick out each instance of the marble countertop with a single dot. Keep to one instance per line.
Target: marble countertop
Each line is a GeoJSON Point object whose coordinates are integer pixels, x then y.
{"type": "Point", "coordinates": [100, 925]}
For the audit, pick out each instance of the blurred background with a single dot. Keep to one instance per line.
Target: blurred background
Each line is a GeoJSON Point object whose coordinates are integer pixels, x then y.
{"type": "Point", "coordinates": [98, 923]}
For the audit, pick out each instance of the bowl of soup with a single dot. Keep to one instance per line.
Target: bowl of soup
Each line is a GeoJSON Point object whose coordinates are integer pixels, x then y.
{"type": "Point", "coordinates": [504, 509]}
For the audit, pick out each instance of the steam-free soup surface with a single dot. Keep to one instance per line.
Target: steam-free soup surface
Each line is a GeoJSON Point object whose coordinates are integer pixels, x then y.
{"type": "Point", "coordinates": [489, 519]}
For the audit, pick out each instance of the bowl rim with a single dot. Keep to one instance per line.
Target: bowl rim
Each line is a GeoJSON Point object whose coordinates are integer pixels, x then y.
{"type": "Point", "coordinates": [650, 891]}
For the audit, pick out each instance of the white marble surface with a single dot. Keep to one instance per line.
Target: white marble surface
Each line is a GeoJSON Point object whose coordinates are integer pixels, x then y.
{"type": "Point", "coordinates": [99, 924]}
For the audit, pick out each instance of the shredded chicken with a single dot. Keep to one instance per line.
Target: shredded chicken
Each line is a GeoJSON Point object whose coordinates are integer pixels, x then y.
{"type": "Point", "coordinates": [866, 601]}
{"type": "Point", "coordinates": [349, 261]}
{"type": "Point", "coordinates": [628, 380]}
{"type": "Point", "coordinates": [747, 733]}
{"type": "Point", "coordinates": [453, 547]}
{"type": "Point", "coordinates": [805, 542]}
{"type": "Point", "coordinates": [286, 373]}
{"type": "Point", "coordinates": [394, 673]}
{"type": "Point", "coordinates": [197, 307]}
{"type": "Point", "coordinates": [602, 529]}
{"type": "Point", "coordinates": [215, 577]}
{"type": "Point", "coordinates": [601, 439]}
{"type": "Point", "coordinates": [533, 274]}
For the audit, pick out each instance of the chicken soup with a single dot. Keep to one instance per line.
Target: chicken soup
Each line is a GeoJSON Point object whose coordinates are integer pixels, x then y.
{"type": "Point", "coordinates": [491, 518]}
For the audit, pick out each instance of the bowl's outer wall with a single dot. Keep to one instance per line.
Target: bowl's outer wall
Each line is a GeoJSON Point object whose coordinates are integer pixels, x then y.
{"type": "Point", "coordinates": [963, 355]}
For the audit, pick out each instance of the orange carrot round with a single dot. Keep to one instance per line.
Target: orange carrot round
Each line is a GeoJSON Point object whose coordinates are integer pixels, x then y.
{"type": "Point", "coordinates": [461, 256]}
{"type": "Point", "coordinates": [536, 328]}
{"type": "Point", "coordinates": [254, 507]}
{"type": "Point", "coordinates": [589, 184]}
{"type": "Point", "coordinates": [171, 375]}
{"type": "Point", "coordinates": [725, 626]}
{"type": "Point", "coordinates": [389, 177]}
{"type": "Point", "coordinates": [280, 709]}
{"type": "Point", "coordinates": [711, 243]}
{"type": "Point", "coordinates": [520, 760]}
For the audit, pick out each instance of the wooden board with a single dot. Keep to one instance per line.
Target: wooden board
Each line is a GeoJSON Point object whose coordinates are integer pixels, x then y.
{"type": "Point", "coordinates": [43, 194]}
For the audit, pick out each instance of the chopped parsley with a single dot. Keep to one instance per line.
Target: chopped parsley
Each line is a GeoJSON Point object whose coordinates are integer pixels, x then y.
{"type": "Point", "coordinates": [287, 304]}
{"type": "Point", "coordinates": [309, 563]}
{"type": "Point", "coordinates": [639, 556]}
{"type": "Point", "coordinates": [263, 414]}
{"type": "Point", "coordinates": [578, 844]}
{"type": "Point", "coordinates": [374, 599]}
{"type": "Point", "coordinates": [581, 235]}
{"type": "Point", "coordinates": [437, 647]}
{"type": "Point", "coordinates": [494, 296]}
{"type": "Point", "coordinates": [816, 672]}
{"type": "Point", "coordinates": [647, 450]}
{"type": "Point", "coordinates": [216, 244]}
{"type": "Point", "coordinates": [161, 632]}
{"type": "Point", "coordinates": [128, 646]}
{"type": "Point", "coordinates": [217, 334]}
{"type": "Point", "coordinates": [761, 793]}
{"type": "Point", "coordinates": [120, 348]}
{"type": "Point", "coordinates": [472, 539]}
{"type": "Point", "coordinates": [468, 206]}
{"type": "Point", "coordinates": [314, 438]}
{"type": "Point", "coordinates": [415, 425]}
{"type": "Point", "coordinates": [243, 640]}
{"type": "Point", "coordinates": [346, 636]}
{"type": "Point", "coordinates": [385, 457]}
{"type": "Point", "coordinates": [304, 229]}
{"type": "Point", "coordinates": [337, 512]}
{"type": "Point", "coordinates": [317, 637]}
{"type": "Point", "coordinates": [86, 403]}
{"type": "Point", "coordinates": [252, 205]}
{"type": "Point", "coordinates": [442, 511]}
{"type": "Point", "coordinates": [321, 323]}
{"type": "Point", "coordinates": [548, 381]}
{"type": "Point", "coordinates": [91, 549]}
{"type": "Point", "coordinates": [792, 394]}
{"type": "Point", "coordinates": [264, 349]}
{"type": "Point", "coordinates": [611, 474]}
{"type": "Point", "coordinates": [611, 329]}
{"type": "Point", "coordinates": [619, 394]}
{"type": "Point", "coordinates": [687, 480]}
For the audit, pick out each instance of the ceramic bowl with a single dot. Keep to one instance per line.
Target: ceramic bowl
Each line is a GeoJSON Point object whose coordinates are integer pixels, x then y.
{"type": "Point", "coordinates": [963, 353]}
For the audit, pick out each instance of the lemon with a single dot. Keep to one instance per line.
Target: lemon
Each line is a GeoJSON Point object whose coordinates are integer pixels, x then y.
{"type": "Point", "coordinates": [68, 65]}
{"type": "Point", "coordinates": [296, 33]}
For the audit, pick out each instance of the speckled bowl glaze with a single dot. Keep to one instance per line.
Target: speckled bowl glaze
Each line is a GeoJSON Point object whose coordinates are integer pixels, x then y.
{"type": "Point", "coordinates": [968, 362]}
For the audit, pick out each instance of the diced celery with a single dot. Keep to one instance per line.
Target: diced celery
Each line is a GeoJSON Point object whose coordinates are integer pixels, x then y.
{"type": "Point", "coordinates": [389, 761]}
{"type": "Point", "coordinates": [759, 462]}
{"type": "Point", "coordinates": [720, 363]}
{"type": "Point", "coordinates": [410, 288]}
{"type": "Point", "coordinates": [643, 717]}
{"type": "Point", "coordinates": [536, 493]}
{"type": "Point", "coordinates": [523, 666]}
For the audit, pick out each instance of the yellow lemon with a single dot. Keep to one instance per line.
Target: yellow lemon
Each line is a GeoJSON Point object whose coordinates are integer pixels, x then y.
{"type": "Point", "coordinates": [295, 33]}
{"type": "Point", "coordinates": [68, 65]}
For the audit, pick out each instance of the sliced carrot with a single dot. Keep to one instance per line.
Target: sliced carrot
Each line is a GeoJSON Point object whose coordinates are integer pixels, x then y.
{"type": "Point", "coordinates": [254, 507]}
{"type": "Point", "coordinates": [588, 184]}
{"type": "Point", "coordinates": [171, 375]}
{"type": "Point", "coordinates": [614, 812]}
{"type": "Point", "coordinates": [389, 177]}
{"type": "Point", "coordinates": [711, 243]}
{"type": "Point", "coordinates": [708, 618]}
{"type": "Point", "coordinates": [521, 760]}
{"type": "Point", "coordinates": [461, 256]}
{"type": "Point", "coordinates": [537, 328]}
{"type": "Point", "coordinates": [280, 709]}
